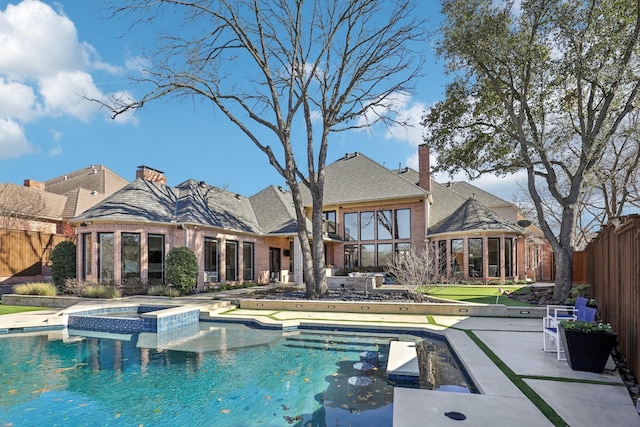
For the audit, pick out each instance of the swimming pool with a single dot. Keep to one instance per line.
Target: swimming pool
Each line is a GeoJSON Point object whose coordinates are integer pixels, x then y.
{"type": "Point", "coordinates": [219, 374]}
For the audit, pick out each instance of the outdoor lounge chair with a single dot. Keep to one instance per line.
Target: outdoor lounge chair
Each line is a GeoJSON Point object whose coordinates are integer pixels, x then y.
{"type": "Point", "coordinates": [556, 313]}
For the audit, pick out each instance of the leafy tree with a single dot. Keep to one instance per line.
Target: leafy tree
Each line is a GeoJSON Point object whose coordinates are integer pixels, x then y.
{"type": "Point", "coordinates": [280, 68]}
{"type": "Point", "coordinates": [182, 269]}
{"type": "Point", "coordinates": [63, 262]}
{"type": "Point", "coordinates": [539, 86]}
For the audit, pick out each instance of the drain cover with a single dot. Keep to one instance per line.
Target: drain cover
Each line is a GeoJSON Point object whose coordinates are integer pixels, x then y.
{"type": "Point", "coordinates": [456, 416]}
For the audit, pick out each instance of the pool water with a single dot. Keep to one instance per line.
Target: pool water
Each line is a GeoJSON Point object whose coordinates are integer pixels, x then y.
{"type": "Point", "coordinates": [221, 375]}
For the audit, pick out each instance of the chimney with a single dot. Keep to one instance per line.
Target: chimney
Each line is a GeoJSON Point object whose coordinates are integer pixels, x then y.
{"type": "Point", "coordinates": [34, 184]}
{"type": "Point", "coordinates": [424, 167]}
{"type": "Point", "coordinates": [150, 174]}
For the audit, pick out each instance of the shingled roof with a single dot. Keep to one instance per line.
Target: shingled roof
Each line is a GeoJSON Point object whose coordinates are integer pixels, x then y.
{"type": "Point", "coordinates": [473, 216]}
{"type": "Point", "coordinates": [274, 211]}
{"type": "Point", "coordinates": [355, 178]}
{"type": "Point", "coordinates": [191, 202]}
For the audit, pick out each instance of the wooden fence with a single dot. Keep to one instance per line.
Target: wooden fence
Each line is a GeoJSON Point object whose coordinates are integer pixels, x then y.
{"type": "Point", "coordinates": [613, 269]}
{"type": "Point", "coordinates": [24, 253]}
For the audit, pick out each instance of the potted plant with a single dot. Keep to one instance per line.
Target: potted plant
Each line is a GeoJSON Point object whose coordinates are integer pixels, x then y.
{"type": "Point", "coordinates": [587, 344]}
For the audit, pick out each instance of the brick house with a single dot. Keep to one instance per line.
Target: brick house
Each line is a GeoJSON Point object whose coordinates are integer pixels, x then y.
{"type": "Point", "coordinates": [371, 214]}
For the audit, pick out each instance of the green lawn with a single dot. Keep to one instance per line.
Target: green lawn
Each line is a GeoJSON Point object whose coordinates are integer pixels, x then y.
{"type": "Point", "coordinates": [10, 309]}
{"type": "Point", "coordinates": [479, 294]}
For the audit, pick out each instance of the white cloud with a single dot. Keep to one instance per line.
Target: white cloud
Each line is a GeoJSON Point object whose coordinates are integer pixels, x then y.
{"type": "Point", "coordinates": [13, 142]}
{"type": "Point", "coordinates": [45, 72]}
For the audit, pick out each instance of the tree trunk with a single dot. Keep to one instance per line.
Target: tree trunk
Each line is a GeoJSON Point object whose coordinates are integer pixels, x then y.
{"type": "Point", "coordinates": [564, 275]}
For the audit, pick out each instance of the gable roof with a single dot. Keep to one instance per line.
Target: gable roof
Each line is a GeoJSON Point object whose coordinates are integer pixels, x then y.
{"type": "Point", "coordinates": [94, 178]}
{"type": "Point", "coordinates": [474, 216]}
{"type": "Point", "coordinates": [356, 178]}
{"type": "Point", "coordinates": [274, 211]}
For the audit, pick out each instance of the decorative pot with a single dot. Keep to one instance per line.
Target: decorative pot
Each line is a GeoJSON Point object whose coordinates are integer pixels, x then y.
{"type": "Point", "coordinates": [587, 351]}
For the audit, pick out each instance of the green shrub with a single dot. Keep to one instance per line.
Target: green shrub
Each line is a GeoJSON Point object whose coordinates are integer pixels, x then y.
{"type": "Point", "coordinates": [44, 289]}
{"type": "Point", "coordinates": [63, 262]}
{"type": "Point", "coordinates": [182, 269]}
{"type": "Point", "coordinates": [101, 291]}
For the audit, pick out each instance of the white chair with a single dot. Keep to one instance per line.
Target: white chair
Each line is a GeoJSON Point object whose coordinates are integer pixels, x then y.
{"type": "Point", "coordinates": [556, 313]}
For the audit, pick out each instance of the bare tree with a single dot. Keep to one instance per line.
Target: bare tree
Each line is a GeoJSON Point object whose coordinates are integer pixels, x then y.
{"type": "Point", "coordinates": [301, 70]}
{"type": "Point", "coordinates": [416, 268]}
{"type": "Point", "coordinates": [18, 205]}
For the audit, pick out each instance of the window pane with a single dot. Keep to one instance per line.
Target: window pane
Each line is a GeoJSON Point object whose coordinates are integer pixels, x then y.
{"type": "Point", "coordinates": [247, 261]}
{"type": "Point", "coordinates": [385, 254]}
{"type": "Point", "coordinates": [457, 251]}
{"type": "Point", "coordinates": [442, 257]}
{"type": "Point", "coordinates": [508, 257]}
{"type": "Point", "coordinates": [493, 249]}
{"type": "Point", "coordinates": [330, 221]}
{"type": "Point", "coordinates": [475, 258]}
{"type": "Point", "coordinates": [231, 260]}
{"type": "Point", "coordinates": [86, 255]}
{"type": "Point", "coordinates": [211, 260]}
{"type": "Point", "coordinates": [105, 257]}
{"type": "Point", "coordinates": [384, 225]}
{"type": "Point", "coordinates": [130, 246]}
{"type": "Point", "coordinates": [367, 225]}
{"type": "Point", "coordinates": [155, 243]}
{"type": "Point", "coordinates": [351, 226]}
{"type": "Point", "coordinates": [351, 256]}
{"type": "Point", "coordinates": [403, 224]}
{"type": "Point", "coordinates": [367, 255]}
{"type": "Point", "coordinates": [403, 249]}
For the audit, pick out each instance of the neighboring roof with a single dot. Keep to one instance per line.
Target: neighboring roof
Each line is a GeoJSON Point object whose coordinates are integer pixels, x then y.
{"type": "Point", "coordinates": [191, 202]}
{"type": "Point", "coordinates": [93, 178]}
{"type": "Point", "coordinates": [356, 178]}
{"type": "Point", "coordinates": [31, 202]}
{"type": "Point", "coordinates": [474, 216]}
{"type": "Point", "coordinates": [274, 211]}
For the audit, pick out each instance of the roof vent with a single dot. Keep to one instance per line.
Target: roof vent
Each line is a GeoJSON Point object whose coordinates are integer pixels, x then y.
{"type": "Point", "coordinates": [94, 193]}
{"type": "Point", "coordinates": [238, 196]}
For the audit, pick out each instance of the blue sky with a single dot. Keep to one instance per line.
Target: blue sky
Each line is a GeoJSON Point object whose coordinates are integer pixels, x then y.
{"type": "Point", "coordinates": [52, 50]}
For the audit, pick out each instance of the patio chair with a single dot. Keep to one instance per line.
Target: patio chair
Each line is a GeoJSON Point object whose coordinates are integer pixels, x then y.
{"type": "Point", "coordinates": [556, 313]}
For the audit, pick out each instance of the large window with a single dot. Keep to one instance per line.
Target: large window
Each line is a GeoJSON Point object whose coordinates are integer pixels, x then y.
{"type": "Point", "coordinates": [86, 255]}
{"type": "Point", "coordinates": [231, 260]}
{"type": "Point", "coordinates": [247, 261]}
{"type": "Point", "coordinates": [384, 225]}
{"type": "Point", "coordinates": [155, 256]}
{"type": "Point", "coordinates": [211, 256]}
{"type": "Point", "coordinates": [457, 254]}
{"type": "Point", "coordinates": [130, 253]}
{"type": "Point", "coordinates": [403, 224]}
{"type": "Point", "coordinates": [351, 226]}
{"type": "Point", "coordinates": [330, 221]}
{"type": "Point", "coordinates": [508, 257]}
{"type": "Point", "coordinates": [367, 225]}
{"type": "Point", "coordinates": [105, 258]}
{"type": "Point", "coordinates": [367, 255]}
{"type": "Point", "coordinates": [351, 256]}
{"type": "Point", "coordinates": [493, 252]}
{"type": "Point", "coordinates": [475, 258]}
{"type": "Point", "coordinates": [403, 249]}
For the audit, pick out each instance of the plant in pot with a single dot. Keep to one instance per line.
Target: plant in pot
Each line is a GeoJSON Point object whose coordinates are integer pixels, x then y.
{"type": "Point", "coordinates": [587, 344]}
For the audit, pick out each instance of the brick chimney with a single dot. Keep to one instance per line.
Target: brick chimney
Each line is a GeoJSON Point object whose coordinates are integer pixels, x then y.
{"type": "Point", "coordinates": [34, 184]}
{"type": "Point", "coordinates": [150, 174]}
{"type": "Point", "coordinates": [424, 167]}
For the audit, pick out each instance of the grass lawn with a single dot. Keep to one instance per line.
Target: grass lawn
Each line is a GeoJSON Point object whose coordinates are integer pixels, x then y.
{"type": "Point", "coordinates": [10, 309]}
{"type": "Point", "coordinates": [479, 294]}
